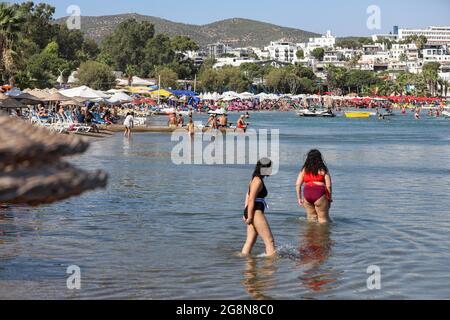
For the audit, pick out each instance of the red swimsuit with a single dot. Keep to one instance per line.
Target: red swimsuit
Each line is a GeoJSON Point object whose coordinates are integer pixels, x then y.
{"type": "Point", "coordinates": [313, 192]}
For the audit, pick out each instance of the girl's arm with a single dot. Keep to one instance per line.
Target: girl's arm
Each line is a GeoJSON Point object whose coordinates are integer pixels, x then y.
{"type": "Point", "coordinates": [329, 186]}
{"type": "Point", "coordinates": [255, 188]}
{"type": "Point", "coordinates": [298, 187]}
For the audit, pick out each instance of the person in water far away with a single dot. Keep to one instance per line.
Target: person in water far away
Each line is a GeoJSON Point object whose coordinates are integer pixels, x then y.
{"type": "Point", "coordinates": [255, 206]}
{"type": "Point", "coordinates": [317, 192]}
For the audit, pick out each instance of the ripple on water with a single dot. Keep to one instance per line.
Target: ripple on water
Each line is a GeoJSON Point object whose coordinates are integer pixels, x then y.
{"type": "Point", "coordinates": [161, 231]}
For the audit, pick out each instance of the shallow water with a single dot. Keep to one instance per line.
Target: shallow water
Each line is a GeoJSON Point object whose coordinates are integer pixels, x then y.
{"type": "Point", "coordinates": [161, 231]}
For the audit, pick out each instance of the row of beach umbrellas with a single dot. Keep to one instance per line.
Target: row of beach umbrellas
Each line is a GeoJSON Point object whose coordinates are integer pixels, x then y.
{"type": "Point", "coordinates": [16, 98]}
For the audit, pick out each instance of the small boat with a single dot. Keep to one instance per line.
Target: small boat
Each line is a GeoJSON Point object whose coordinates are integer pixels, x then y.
{"type": "Point", "coordinates": [315, 113]}
{"type": "Point", "coordinates": [351, 114]}
{"type": "Point", "coordinates": [446, 114]}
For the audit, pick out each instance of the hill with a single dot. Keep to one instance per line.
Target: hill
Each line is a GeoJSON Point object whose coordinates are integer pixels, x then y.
{"type": "Point", "coordinates": [234, 32]}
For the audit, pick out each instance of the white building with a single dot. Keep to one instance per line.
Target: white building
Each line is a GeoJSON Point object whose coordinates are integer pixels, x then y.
{"type": "Point", "coordinates": [409, 50]}
{"type": "Point", "coordinates": [234, 62]}
{"type": "Point", "coordinates": [389, 36]}
{"type": "Point", "coordinates": [333, 56]}
{"type": "Point", "coordinates": [262, 54]}
{"type": "Point", "coordinates": [436, 54]}
{"type": "Point", "coordinates": [282, 51]}
{"type": "Point", "coordinates": [435, 35]}
{"type": "Point", "coordinates": [325, 41]}
{"type": "Point", "coordinates": [215, 50]}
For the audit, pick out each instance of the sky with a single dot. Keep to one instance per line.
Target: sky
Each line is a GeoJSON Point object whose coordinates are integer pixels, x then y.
{"type": "Point", "coordinates": [342, 17]}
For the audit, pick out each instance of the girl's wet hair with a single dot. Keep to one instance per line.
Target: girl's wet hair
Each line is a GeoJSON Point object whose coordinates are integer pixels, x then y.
{"type": "Point", "coordinates": [314, 163]}
{"type": "Point", "coordinates": [263, 168]}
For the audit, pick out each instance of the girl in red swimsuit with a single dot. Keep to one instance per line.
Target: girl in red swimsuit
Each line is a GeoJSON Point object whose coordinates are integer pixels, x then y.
{"type": "Point", "coordinates": [317, 193]}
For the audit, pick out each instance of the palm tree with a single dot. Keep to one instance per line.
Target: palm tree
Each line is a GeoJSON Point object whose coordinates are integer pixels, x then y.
{"type": "Point", "coordinates": [445, 84]}
{"type": "Point", "coordinates": [11, 20]}
{"type": "Point", "coordinates": [431, 75]}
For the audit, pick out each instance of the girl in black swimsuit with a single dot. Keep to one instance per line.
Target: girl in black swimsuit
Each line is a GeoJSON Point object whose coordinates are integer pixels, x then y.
{"type": "Point", "coordinates": [255, 206]}
{"type": "Point", "coordinates": [259, 203]}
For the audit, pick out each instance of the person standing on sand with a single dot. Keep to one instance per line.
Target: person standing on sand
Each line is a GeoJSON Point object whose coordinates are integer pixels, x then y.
{"type": "Point", "coordinates": [317, 193]}
{"type": "Point", "coordinates": [255, 206]}
{"type": "Point", "coordinates": [190, 127]}
{"type": "Point", "coordinates": [128, 124]}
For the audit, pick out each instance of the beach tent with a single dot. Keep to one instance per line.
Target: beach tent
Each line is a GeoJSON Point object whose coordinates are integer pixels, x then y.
{"type": "Point", "coordinates": [186, 93]}
{"type": "Point", "coordinates": [246, 95]}
{"type": "Point", "coordinates": [215, 96]}
{"type": "Point", "coordinates": [135, 82]}
{"type": "Point", "coordinates": [139, 90]}
{"type": "Point", "coordinates": [119, 97]}
{"type": "Point", "coordinates": [161, 92]}
{"type": "Point", "coordinates": [85, 93]}
{"type": "Point", "coordinates": [206, 96]}
{"type": "Point", "coordinates": [230, 94]}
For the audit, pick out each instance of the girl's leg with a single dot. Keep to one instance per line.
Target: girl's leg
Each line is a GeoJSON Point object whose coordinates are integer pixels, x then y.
{"type": "Point", "coordinates": [252, 235]}
{"type": "Point", "coordinates": [311, 213]}
{"type": "Point", "coordinates": [322, 207]}
{"type": "Point", "coordinates": [263, 229]}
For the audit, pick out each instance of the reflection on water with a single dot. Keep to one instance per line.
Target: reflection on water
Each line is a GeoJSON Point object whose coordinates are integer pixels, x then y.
{"type": "Point", "coordinates": [162, 231]}
{"type": "Point", "coordinates": [259, 277]}
{"type": "Point", "coordinates": [315, 249]}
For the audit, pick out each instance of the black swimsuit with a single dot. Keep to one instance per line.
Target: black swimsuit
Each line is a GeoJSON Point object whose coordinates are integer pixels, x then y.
{"type": "Point", "coordinates": [259, 205]}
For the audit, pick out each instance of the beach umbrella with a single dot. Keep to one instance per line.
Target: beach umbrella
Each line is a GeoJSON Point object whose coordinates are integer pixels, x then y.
{"type": "Point", "coordinates": [7, 102]}
{"type": "Point", "coordinates": [246, 95]}
{"type": "Point", "coordinates": [120, 97]}
{"type": "Point", "coordinates": [84, 92]}
{"type": "Point", "coordinates": [24, 97]}
{"type": "Point", "coordinates": [39, 93]}
{"type": "Point", "coordinates": [161, 92]}
{"type": "Point", "coordinates": [72, 102]}
{"type": "Point", "coordinates": [31, 167]}
{"type": "Point", "coordinates": [57, 96]}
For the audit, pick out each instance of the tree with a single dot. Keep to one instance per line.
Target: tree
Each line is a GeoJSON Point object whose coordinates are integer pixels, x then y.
{"type": "Point", "coordinates": [168, 77]}
{"type": "Point", "coordinates": [43, 68]}
{"type": "Point", "coordinates": [349, 44]}
{"type": "Point", "coordinates": [208, 79]}
{"type": "Point", "coordinates": [130, 71]}
{"type": "Point", "coordinates": [403, 57]}
{"type": "Point", "coordinates": [37, 26]}
{"type": "Point", "coordinates": [127, 44]}
{"type": "Point", "coordinates": [430, 72]}
{"type": "Point", "coordinates": [318, 53]}
{"type": "Point", "coordinates": [300, 54]}
{"type": "Point", "coordinates": [232, 79]}
{"type": "Point", "coordinates": [89, 50]}
{"type": "Point", "coordinates": [11, 19]}
{"type": "Point", "coordinates": [158, 51]}
{"type": "Point", "coordinates": [275, 80]}
{"type": "Point", "coordinates": [70, 42]}
{"type": "Point", "coordinates": [183, 44]}
{"type": "Point", "coordinates": [96, 75]}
